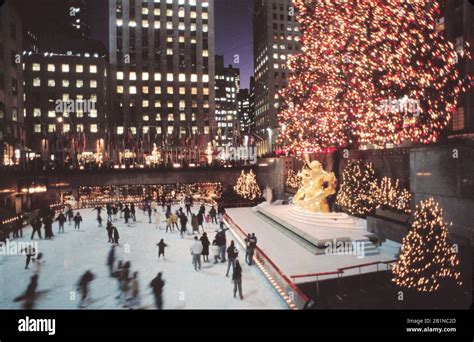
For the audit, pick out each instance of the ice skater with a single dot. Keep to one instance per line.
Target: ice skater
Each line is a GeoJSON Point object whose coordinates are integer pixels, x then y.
{"type": "Point", "coordinates": [183, 221]}
{"type": "Point", "coordinates": [29, 252]}
{"type": "Point", "coordinates": [111, 260]}
{"type": "Point", "coordinates": [157, 285]}
{"type": "Point", "coordinates": [70, 215]}
{"type": "Point", "coordinates": [36, 225]}
{"type": "Point", "coordinates": [61, 220]}
{"type": "Point", "coordinates": [205, 247]}
{"type": "Point", "coordinates": [110, 232]}
{"type": "Point", "coordinates": [83, 287]}
{"type": "Point", "coordinates": [77, 221]}
{"type": "Point", "coordinates": [99, 220]}
{"type": "Point", "coordinates": [135, 292]}
{"type": "Point", "coordinates": [30, 295]}
{"type": "Point", "coordinates": [237, 279]}
{"type": "Point", "coordinates": [232, 254]}
{"type": "Point", "coordinates": [157, 219]}
{"type": "Point", "coordinates": [116, 236]}
{"type": "Point", "coordinates": [196, 251]}
{"type": "Point", "coordinates": [161, 249]}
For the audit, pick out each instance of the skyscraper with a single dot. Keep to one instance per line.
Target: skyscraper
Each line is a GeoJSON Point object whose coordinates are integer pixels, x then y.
{"type": "Point", "coordinates": [12, 134]}
{"type": "Point", "coordinates": [245, 118]}
{"type": "Point", "coordinates": [227, 87]}
{"type": "Point", "coordinates": [457, 22]}
{"type": "Point", "coordinates": [162, 67]}
{"type": "Point", "coordinates": [276, 36]}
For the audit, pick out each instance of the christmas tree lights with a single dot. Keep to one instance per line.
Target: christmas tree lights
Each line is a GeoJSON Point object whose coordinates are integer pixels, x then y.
{"type": "Point", "coordinates": [293, 180]}
{"type": "Point", "coordinates": [427, 259]}
{"type": "Point", "coordinates": [369, 72]}
{"type": "Point", "coordinates": [390, 195]}
{"type": "Point", "coordinates": [358, 187]}
{"type": "Point", "coordinates": [247, 186]}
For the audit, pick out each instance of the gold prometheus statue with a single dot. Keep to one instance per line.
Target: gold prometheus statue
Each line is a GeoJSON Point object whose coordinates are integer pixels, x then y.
{"type": "Point", "coordinates": [317, 185]}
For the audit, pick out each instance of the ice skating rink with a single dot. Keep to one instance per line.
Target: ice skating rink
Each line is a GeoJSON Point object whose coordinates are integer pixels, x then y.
{"type": "Point", "coordinates": [67, 256]}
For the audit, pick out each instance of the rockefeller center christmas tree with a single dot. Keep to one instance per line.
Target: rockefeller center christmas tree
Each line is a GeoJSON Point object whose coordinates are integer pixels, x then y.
{"type": "Point", "coordinates": [369, 72]}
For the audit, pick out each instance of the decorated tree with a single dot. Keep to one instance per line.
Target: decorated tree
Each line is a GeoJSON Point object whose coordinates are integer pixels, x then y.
{"type": "Point", "coordinates": [358, 185]}
{"type": "Point", "coordinates": [427, 259]}
{"type": "Point", "coordinates": [390, 195]}
{"type": "Point", "coordinates": [247, 186]}
{"type": "Point", "coordinates": [369, 72]}
{"type": "Point", "coordinates": [293, 180]}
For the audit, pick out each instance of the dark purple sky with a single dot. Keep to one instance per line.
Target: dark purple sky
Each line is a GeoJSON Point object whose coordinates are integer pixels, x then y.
{"type": "Point", "coordinates": [233, 26]}
{"type": "Point", "coordinates": [234, 34]}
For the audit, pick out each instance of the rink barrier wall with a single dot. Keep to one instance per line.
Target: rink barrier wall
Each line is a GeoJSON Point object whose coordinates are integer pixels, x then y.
{"type": "Point", "coordinates": [290, 293]}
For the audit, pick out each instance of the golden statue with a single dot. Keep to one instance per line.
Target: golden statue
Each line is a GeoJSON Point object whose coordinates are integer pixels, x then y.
{"type": "Point", "coordinates": [317, 185]}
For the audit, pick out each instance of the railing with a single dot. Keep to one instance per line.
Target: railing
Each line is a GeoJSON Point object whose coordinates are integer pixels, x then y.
{"type": "Point", "coordinates": [293, 296]}
{"type": "Point", "coordinates": [340, 273]}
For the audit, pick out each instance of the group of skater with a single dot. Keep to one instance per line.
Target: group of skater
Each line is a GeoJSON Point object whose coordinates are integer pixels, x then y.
{"type": "Point", "coordinates": [128, 281]}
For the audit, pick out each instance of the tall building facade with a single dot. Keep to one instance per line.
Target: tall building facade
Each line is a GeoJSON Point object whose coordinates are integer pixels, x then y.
{"type": "Point", "coordinates": [162, 67]}
{"type": "Point", "coordinates": [227, 87]}
{"type": "Point", "coordinates": [245, 115]}
{"type": "Point", "coordinates": [12, 133]}
{"type": "Point", "coordinates": [78, 22]}
{"type": "Point", "coordinates": [66, 105]}
{"type": "Point", "coordinates": [457, 22]}
{"type": "Point", "coordinates": [276, 36]}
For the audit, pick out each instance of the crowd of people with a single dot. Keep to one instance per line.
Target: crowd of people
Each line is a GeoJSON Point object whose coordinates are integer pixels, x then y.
{"type": "Point", "coordinates": [163, 219]}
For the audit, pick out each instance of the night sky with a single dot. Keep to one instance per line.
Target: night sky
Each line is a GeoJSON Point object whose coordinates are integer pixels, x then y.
{"type": "Point", "coordinates": [234, 34]}
{"type": "Point", "coordinates": [233, 26]}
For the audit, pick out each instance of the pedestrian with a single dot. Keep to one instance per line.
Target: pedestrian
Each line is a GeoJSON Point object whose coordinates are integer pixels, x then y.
{"type": "Point", "coordinates": [207, 219]}
{"type": "Point", "coordinates": [48, 227]}
{"type": "Point", "coordinates": [194, 223]}
{"type": "Point", "coordinates": [111, 260]}
{"type": "Point", "coordinates": [120, 209]}
{"type": "Point", "coordinates": [37, 264]}
{"type": "Point", "coordinates": [157, 285]}
{"type": "Point", "coordinates": [184, 221]}
{"type": "Point", "coordinates": [188, 206]}
{"type": "Point", "coordinates": [77, 221]}
{"type": "Point", "coordinates": [29, 252]}
{"type": "Point", "coordinates": [133, 212]}
{"type": "Point", "coordinates": [114, 211]}
{"type": "Point", "coordinates": [61, 220]}
{"type": "Point", "coordinates": [216, 251]}
{"type": "Point", "coordinates": [196, 251]}
{"type": "Point", "coordinates": [161, 248]}
{"type": "Point", "coordinates": [109, 212]}
{"type": "Point", "coordinates": [252, 245]}
{"type": "Point", "coordinates": [174, 221]}
{"type": "Point", "coordinates": [83, 287]}
{"type": "Point", "coordinates": [232, 254]}
{"type": "Point", "coordinates": [18, 232]}
{"type": "Point", "coordinates": [157, 219]}
{"type": "Point", "coordinates": [124, 283]}
{"type": "Point", "coordinates": [205, 247]}
{"type": "Point", "coordinates": [116, 236]}
{"type": "Point", "coordinates": [237, 279]}
{"type": "Point", "coordinates": [99, 220]}
{"type": "Point", "coordinates": [150, 212]}
{"type": "Point", "coordinates": [36, 225]}
{"type": "Point", "coordinates": [135, 292]}
{"type": "Point", "coordinates": [110, 232]}
{"type": "Point", "coordinates": [126, 214]}
{"type": "Point", "coordinates": [70, 215]}
{"type": "Point", "coordinates": [213, 215]}
{"type": "Point", "coordinates": [200, 220]}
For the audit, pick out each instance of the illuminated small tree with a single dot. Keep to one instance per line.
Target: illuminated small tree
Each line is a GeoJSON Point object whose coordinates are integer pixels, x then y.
{"type": "Point", "coordinates": [247, 186]}
{"type": "Point", "coordinates": [357, 193]}
{"type": "Point", "coordinates": [293, 181]}
{"type": "Point", "coordinates": [427, 259]}
{"type": "Point", "coordinates": [390, 195]}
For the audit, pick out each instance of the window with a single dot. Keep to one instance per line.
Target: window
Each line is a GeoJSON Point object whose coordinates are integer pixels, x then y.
{"type": "Point", "coordinates": [80, 128]}
{"type": "Point", "coordinates": [133, 76]}
{"type": "Point", "coordinates": [37, 128]}
{"type": "Point", "coordinates": [79, 83]}
{"type": "Point", "coordinates": [65, 83]}
{"type": "Point", "coordinates": [157, 76]}
{"type": "Point", "coordinates": [51, 83]}
{"type": "Point", "coordinates": [93, 69]}
{"type": "Point", "coordinates": [94, 128]}
{"type": "Point", "coordinates": [66, 128]}
{"type": "Point", "coordinates": [182, 77]}
{"type": "Point", "coordinates": [93, 84]}
{"type": "Point", "coordinates": [170, 129]}
{"type": "Point", "coordinates": [51, 128]}
{"type": "Point", "coordinates": [93, 113]}
{"type": "Point", "coordinates": [169, 77]}
{"type": "Point", "coordinates": [133, 90]}
{"type": "Point", "coordinates": [36, 82]}
{"type": "Point", "coordinates": [36, 67]}
{"type": "Point", "coordinates": [170, 117]}
{"type": "Point", "coordinates": [182, 116]}
{"type": "Point", "coordinates": [120, 75]}
{"type": "Point", "coordinates": [120, 130]}
{"type": "Point", "coordinates": [79, 68]}
{"type": "Point", "coordinates": [51, 68]}
{"type": "Point", "coordinates": [36, 112]}
{"type": "Point", "coordinates": [65, 68]}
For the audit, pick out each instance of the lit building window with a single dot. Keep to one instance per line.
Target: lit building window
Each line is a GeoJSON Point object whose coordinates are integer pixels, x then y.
{"type": "Point", "coordinates": [37, 128]}
{"type": "Point", "coordinates": [120, 89]}
{"type": "Point", "coordinates": [146, 118]}
{"type": "Point", "coordinates": [79, 83]}
{"type": "Point", "coordinates": [182, 116]}
{"type": "Point", "coordinates": [169, 77]}
{"type": "Point", "coordinates": [157, 25]}
{"type": "Point", "coordinates": [120, 130]}
{"type": "Point", "coordinates": [133, 76]}
{"type": "Point", "coordinates": [119, 22]}
{"type": "Point", "coordinates": [93, 69]}
{"type": "Point", "coordinates": [157, 76]}
{"type": "Point", "coordinates": [193, 77]}
{"type": "Point", "coordinates": [182, 77]}
{"type": "Point", "coordinates": [133, 90]}
{"type": "Point", "coordinates": [51, 68]}
{"type": "Point", "coordinates": [79, 68]}
{"type": "Point", "coordinates": [93, 113]}
{"type": "Point", "coordinates": [94, 128]}
{"type": "Point", "coordinates": [36, 67]}
{"type": "Point", "coordinates": [170, 117]}
{"type": "Point", "coordinates": [65, 83]}
{"type": "Point", "coordinates": [51, 83]}
{"type": "Point", "coordinates": [51, 128]}
{"type": "Point", "coordinates": [66, 128]}
{"type": "Point", "coordinates": [93, 84]}
{"type": "Point", "coordinates": [145, 76]}
{"type": "Point", "coordinates": [36, 82]}
{"type": "Point", "coordinates": [36, 112]}
{"type": "Point", "coordinates": [170, 90]}
{"type": "Point", "coordinates": [80, 128]}
{"type": "Point", "coordinates": [170, 129]}
{"type": "Point", "coordinates": [65, 68]}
